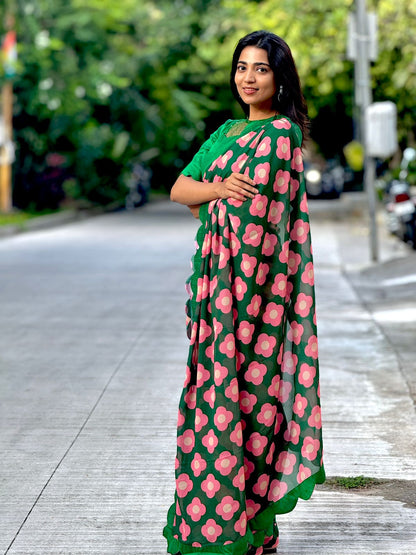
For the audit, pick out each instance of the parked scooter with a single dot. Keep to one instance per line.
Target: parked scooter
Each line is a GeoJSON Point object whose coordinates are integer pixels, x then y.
{"type": "Point", "coordinates": [139, 187]}
{"type": "Point", "coordinates": [401, 204]}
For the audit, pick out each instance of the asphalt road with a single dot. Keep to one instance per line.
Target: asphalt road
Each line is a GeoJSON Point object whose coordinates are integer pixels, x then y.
{"type": "Point", "coordinates": [92, 359]}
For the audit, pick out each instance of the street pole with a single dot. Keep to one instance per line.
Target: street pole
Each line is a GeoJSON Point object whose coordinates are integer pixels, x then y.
{"type": "Point", "coordinates": [5, 166]}
{"type": "Point", "coordinates": [364, 98]}
{"type": "Point", "coordinates": [9, 53]}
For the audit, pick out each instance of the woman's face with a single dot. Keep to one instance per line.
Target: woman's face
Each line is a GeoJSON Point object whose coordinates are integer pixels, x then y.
{"type": "Point", "coordinates": [254, 78]}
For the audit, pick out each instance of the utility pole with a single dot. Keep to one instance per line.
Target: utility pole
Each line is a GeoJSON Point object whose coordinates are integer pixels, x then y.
{"type": "Point", "coordinates": [9, 50]}
{"type": "Point", "coordinates": [364, 99]}
{"type": "Point", "coordinates": [5, 166]}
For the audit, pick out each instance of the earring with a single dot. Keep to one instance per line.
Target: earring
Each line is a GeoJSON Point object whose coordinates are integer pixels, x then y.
{"type": "Point", "coordinates": [280, 93]}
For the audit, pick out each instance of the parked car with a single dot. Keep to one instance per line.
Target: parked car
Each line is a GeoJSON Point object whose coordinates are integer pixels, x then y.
{"type": "Point", "coordinates": [324, 180]}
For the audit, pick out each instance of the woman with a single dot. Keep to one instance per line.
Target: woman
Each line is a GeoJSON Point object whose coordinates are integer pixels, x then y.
{"type": "Point", "coordinates": [249, 427]}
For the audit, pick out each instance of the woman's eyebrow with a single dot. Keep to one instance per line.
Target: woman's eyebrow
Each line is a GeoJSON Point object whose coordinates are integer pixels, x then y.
{"type": "Point", "coordinates": [255, 63]}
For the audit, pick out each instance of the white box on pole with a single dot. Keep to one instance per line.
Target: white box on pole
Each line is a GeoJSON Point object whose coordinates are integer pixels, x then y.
{"type": "Point", "coordinates": [381, 129]}
{"type": "Point", "coordinates": [371, 37]}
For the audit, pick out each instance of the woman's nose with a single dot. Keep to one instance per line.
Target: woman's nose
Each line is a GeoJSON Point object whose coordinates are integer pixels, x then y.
{"type": "Point", "coordinates": [250, 76]}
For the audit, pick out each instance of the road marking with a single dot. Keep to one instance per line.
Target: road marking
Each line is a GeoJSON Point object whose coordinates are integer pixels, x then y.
{"type": "Point", "coordinates": [400, 280]}
{"type": "Point", "coordinates": [399, 315]}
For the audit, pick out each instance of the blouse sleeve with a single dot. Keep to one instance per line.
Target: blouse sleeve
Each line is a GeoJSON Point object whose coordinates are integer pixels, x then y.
{"type": "Point", "coordinates": [196, 166]}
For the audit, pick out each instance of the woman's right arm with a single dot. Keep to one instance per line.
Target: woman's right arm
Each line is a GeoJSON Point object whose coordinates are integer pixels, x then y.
{"type": "Point", "coordinates": [190, 192]}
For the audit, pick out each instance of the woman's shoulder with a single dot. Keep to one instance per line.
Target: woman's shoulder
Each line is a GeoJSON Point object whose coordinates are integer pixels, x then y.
{"type": "Point", "coordinates": [221, 130]}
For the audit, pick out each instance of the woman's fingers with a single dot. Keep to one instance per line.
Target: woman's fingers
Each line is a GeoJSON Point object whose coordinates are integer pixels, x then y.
{"type": "Point", "coordinates": [243, 180]}
{"type": "Point", "coordinates": [239, 186]}
{"type": "Point", "coordinates": [246, 184]}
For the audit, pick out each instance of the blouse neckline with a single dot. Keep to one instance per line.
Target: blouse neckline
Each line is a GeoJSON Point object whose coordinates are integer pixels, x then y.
{"type": "Point", "coordinates": [265, 120]}
{"type": "Point", "coordinates": [239, 126]}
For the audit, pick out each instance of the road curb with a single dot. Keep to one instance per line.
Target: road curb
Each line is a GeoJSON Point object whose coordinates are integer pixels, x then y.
{"type": "Point", "coordinates": [53, 220]}
{"type": "Point", "coordinates": [64, 217]}
{"type": "Point", "coordinates": [349, 205]}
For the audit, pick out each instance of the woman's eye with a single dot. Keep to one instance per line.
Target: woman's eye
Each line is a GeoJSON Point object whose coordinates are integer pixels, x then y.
{"type": "Point", "coordinates": [241, 68]}
{"type": "Point", "coordinates": [262, 69]}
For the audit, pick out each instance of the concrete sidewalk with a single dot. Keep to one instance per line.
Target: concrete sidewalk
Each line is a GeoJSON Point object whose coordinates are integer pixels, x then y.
{"type": "Point", "coordinates": [92, 359]}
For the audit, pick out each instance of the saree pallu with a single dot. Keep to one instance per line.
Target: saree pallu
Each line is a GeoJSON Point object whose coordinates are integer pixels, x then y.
{"type": "Point", "coordinates": [249, 423]}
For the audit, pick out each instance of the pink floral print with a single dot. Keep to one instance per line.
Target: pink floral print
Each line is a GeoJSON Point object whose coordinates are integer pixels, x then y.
{"type": "Point", "coordinates": [196, 509]}
{"type": "Point", "coordinates": [283, 148]}
{"type": "Point", "coordinates": [267, 414]}
{"type": "Point", "coordinates": [241, 524]}
{"type": "Point", "coordinates": [198, 465]}
{"type": "Point", "coordinates": [297, 160]}
{"type": "Point", "coordinates": [264, 148]}
{"type": "Point", "coordinates": [265, 345]}
{"type": "Point", "coordinates": [210, 486]}
{"type": "Point", "coordinates": [247, 401]}
{"type": "Point", "coordinates": [222, 418]}
{"type": "Point", "coordinates": [232, 391]}
{"type": "Point", "coordinates": [245, 332]}
{"type": "Point", "coordinates": [253, 235]}
{"type": "Point", "coordinates": [210, 441]}
{"type": "Point", "coordinates": [239, 288]}
{"type": "Point", "coordinates": [224, 301]}
{"type": "Point", "coordinates": [187, 441]}
{"type": "Point", "coordinates": [273, 314]}
{"type": "Point", "coordinates": [281, 182]}
{"type": "Point", "coordinates": [225, 463]}
{"type": "Point", "coordinates": [183, 485]}
{"type": "Point", "coordinates": [277, 490]}
{"type": "Point", "coordinates": [220, 373]}
{"type": "Point", "coordinates": [256, 444]}
{"type": "Point", "coordinates": [259, 205]}
{"type": "Point", "coordinates": [227, 507]}
{"type": "Point", "coordinates": [211, 530]}
{"type": "Point", "coordinates": [300, 231]}
{"type": "Point", "coordinates": [308, 275]}
{"type": "Point", "coordinates": [275, 212]}
{"type": "Point", "coordinates": [239, 163]}
{"type": "Point", "coordinates": [248, 264]}
{"type": "Point", "coordinates": [260, 488]}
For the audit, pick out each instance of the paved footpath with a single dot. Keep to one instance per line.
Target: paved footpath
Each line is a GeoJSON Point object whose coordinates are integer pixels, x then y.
{"type": "Point", "coordinates": [92, 358]}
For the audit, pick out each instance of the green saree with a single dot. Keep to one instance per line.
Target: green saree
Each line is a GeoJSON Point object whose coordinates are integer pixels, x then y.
{"type": "Point", "coordinates": [249, 423]}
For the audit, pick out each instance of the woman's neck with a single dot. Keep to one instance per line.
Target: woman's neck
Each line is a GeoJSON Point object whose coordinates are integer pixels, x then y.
{"type": "Point", "coordinates": [259, 114]}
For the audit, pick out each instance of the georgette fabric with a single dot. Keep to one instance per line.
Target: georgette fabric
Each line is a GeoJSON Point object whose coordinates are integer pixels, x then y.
{"type": "Point", "coordinates": [249, 424]}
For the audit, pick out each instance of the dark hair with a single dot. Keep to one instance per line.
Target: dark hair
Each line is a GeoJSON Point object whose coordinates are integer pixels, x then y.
{"type": "Point", "coordinates": [292, 102]}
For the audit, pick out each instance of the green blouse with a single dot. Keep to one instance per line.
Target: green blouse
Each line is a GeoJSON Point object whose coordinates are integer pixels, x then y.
{"type": "Point", "coordinates": [219, 141]}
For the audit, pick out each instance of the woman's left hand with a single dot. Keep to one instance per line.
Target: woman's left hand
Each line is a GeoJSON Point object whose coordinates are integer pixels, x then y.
{"type": "Point", "coordinates": [195, 210]}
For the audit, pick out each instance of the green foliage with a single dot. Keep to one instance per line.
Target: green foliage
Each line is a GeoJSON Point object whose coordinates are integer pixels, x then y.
{"type": "Point", "coordinates": [19, 218]}
{"type": "Point", "coordinates": [110, 83]}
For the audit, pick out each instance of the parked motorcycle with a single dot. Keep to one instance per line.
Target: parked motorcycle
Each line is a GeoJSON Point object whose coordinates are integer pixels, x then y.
{"type": "Point", "coordinates": [401, 203]}
{"type": "Point", "coordinates": [139, 187]}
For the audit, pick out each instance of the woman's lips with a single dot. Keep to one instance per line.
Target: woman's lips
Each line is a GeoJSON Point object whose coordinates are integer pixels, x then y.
{"type": "Point", "coordinates": [249, 90]}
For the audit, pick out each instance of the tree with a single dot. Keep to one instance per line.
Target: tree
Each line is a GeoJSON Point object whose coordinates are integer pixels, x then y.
{"type": "Point", "coordinates": [109, 84]}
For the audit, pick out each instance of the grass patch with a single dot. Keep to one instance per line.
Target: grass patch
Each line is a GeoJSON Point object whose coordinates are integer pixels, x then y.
{"type": "Point", "coordinates": [353, 482]}
{"type": "Point", "coordinates": [19, 218]}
